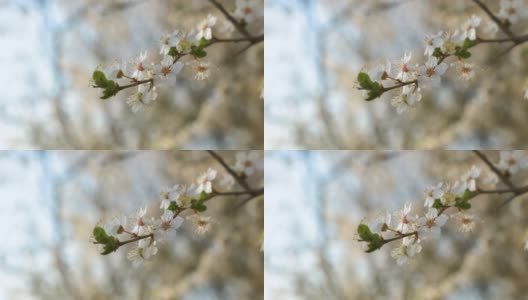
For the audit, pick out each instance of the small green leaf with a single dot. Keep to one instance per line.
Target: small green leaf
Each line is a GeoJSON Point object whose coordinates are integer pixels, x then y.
{"type": "Point", "coordinates": [202, 196]}
{"type": "Point", "coordinates": [202, 43]}
{"type": "Point", "coordinates": [437, 204]}
{"type": "Point", "coordinates": [467, 195]}
{"type": "Point", "coordinates": [173, 51]}
{"type": "Point", "coordinates": [100, 235]}
{"type": "Point", "coordinates": [111, 89]}
{"type": "Point", "coordinates": [172, 206]}
{"type": "Point", "coordinates": [375, 244]}
{"type": "Point", "coordinates": [99, 79]}
{"type": "Point", "coordinates": [375, 92]}
{"type": "Point", "coordinates": [437, 53]}
{"type": "Point", "coordinates": [198, 205]}
{"type": "Point", "coordinates": [198, 51]}
{"type": "Point", "coordinates": [364, 81]}
{"type": "Point", "coordinates": [364, 232]}
{"type": "Point", "coordinates": [111, 245]}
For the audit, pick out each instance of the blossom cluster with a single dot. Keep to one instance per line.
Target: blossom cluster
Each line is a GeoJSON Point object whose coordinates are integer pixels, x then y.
{"type": "Point", "coordinates": [411, 229]}
{"type": "Point", "coordinates": [147, 75]}
{"type": "Point", "coordinates": [147, 233]}
{"type": "Point", "coordinates": [410, 79]}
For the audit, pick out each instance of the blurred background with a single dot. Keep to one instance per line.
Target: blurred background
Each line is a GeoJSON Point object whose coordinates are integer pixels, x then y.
{"type": "Point", "coordinates": [51, 47]}
{"type": "Point", "coordinates": [52, 200]}
{"type": "Point", "coordinates": [319, 198]}
{"type": "Point", "coordinates": [311, 102]}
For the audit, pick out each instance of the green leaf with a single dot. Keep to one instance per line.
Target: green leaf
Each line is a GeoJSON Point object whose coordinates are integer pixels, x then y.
{"type": "Point", "coordinates": [198, 205]}
{"type": "Point", "coordinates": [202, 196]}
{"type": "Point", "coordinates": [99, 79]}
{"type": "Point", "coordinates": [462, 51]}
{"type": "Point", "coordinates": [111, 89]}
{"type": "Point", "coordinates": [467, 195]}
{"type": "Point", "coordinates": [463, 202]}
{"type": "Point", "coordinates": [198, 51]}
{"type": "Point", "coordinates": [173, 51]}
{"type": "Point", "coordinates": [202, 43]}
{"type": "Point", "coordinates": [437, 204]}
{"type": "Point", "coordinates": [375, 92]}
{"type": "Point", "coordinates": [100, 235]}
{"type": "Point", "coordinates": [111, 245]}
{"type": "Point", "coordinates": [364, 81]}
{"type": "Point", "coordinates": [375, 244]}
{"type": "Point", "coordinates": [173, 206]}
{"type": "Point", "coordinates": [437, 53]}
{"type": "Point", "coordinates": [364, 232]}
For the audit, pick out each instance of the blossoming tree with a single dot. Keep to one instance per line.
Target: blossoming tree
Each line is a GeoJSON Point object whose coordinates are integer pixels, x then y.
{"type": "Point", "coordinates": [447, 223]}
{"type": "Point", "coordinates": [179, 202]}
{"type": "Point", "coordinates": [178, 49]}
{"type": "Point", "coordinates": [435, 74]}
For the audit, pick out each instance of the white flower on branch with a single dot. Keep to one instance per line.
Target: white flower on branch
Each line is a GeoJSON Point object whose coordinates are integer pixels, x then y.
{"type": "Point", "coordinates": [432, 193]}
{"type": "Point", "coordinates": [145, 95]}
{"type": "Point", "coordinates": [202, 224]}
{"type": "Point", "coordinates": [469, 29]}
{"type": "Point", "coordinates": [408, 98]}
{"type": "Point", "coordinates": [205, 181]}
{"type": "Point", "coordinates": [432, 42]}
{"type": "Point", "coordinates": [249, 10]}
{"type": "Point", "coordinates": [247, 162]}
{"type": "Point", "coordinates": [470, 178]}
{"type": "Point", "coordinates": [141, 224]}
{"type": "Point", "coordinates": [431, 224]}
{"type": "Point", "coordinates": [139, 66]}
{"type": "Point", "coordinates": [512, 161]}
{"type": "Point", "coordinates": [513, 10]}
{"type": "Point", "coordinates": [405, 218]}
{"type": "Point", "coordinates": [409, 247]}
{"type": "Point", "coordinates": [466, 222]}
{"type": "Point", "coordinates": [404, 68]}
{"type": "Point", "coordinates": [205, 28]}
{"type": "Point", "coordinates": [167, 225]}
{"type": "Point", "coordinates": [431, 72]}
{"type": "Point", "coordinates": [144, 250]}
{"type": "Point", "coordinates": [167, 69]}
{"type": "Point", "coordinates": [169, 40]}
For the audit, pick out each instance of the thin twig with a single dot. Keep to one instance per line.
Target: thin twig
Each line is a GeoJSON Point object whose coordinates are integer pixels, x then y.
{"type": "Point", "coordinates": [230, 170]}
{"type": "Point", "coordinates": [495, 19]}
{"type": "Point", "coordinates": [502, 177]}
{"type": "Point", "coordinates": [240, 27]}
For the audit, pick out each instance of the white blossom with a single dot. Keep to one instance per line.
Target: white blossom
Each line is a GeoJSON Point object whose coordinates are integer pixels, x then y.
{"type": "Point", "coordinates": [466, 222]}
{"type": "Point", "coordinates": [202, 223]}
{"type": "Point", "coordinates": [512, 161]}
{"type": "Point", "coordinates": [167, 224]}
{"type": "Point", "coordinates": [169, 40]}
{"type": "Point", "coordinates": [409, 96]}
{"type": "Point", "coordinates": [205, 181]}
{"type": "Point", "coordinates": [139, 66]}
{"type": "Point", "coordinates": [513, 10]}
{"type": "Point", "coordinates": [247, 162]}
{"type": "Point", "coordinates": [432, 222]}
{"type": "Point", "coordinates": [205, 28]}
{"type": "Point", "coordinates": [249, 10]}
{"type": "Point", "coordinates": [432, 42]}
{"type": "Point", "coordinates": [405, 218]}
{"type": "Point", "coordinates": [167, 69]}
{"type": "Point", "coordinates": [404, 68]}
{"type": "Point", "coordinates": [432, 193]}
{"type": "Point", "coordinates": [470, 178]}
{"type": "Point", "coordinates": [469, 29]}
{"type": "Point", "coordinates": [145, 94]}
{"type": "Point", "coordinates": [431, 72]}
